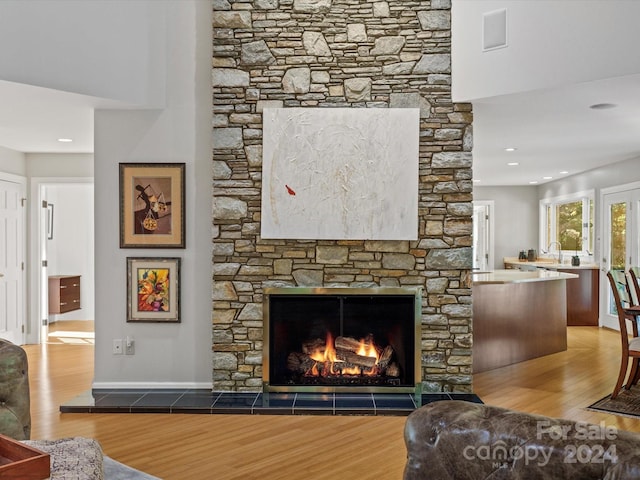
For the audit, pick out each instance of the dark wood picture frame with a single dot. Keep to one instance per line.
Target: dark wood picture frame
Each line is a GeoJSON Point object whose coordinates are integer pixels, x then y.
{"type": "Point", "coordinates": [152, 205]}
{"type": "Point", "coordinates": [153, 289]}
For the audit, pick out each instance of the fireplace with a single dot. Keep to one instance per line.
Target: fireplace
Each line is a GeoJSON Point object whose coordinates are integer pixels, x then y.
{"type": "Point", "coordinates": [342, 340]}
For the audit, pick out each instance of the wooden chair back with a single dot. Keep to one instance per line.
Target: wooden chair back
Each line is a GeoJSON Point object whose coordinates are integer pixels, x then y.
{"type": "Point", "coordinates": [634, 273]}
{"type": "Point", "coordinates": [622, 298]}
{"type": "Point", "coordinates": [630, 346]}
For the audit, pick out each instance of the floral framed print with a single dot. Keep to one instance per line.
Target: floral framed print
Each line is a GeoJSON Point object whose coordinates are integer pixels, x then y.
{"type": "Point", "coordinates": [153, 290]}
{"type": "Point", "coordinates": [152, 213]}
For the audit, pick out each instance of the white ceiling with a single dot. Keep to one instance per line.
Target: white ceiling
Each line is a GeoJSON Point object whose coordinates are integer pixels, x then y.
{"type": "Point", "coordinates": [32, 119]}
{"type": "Point", "coordinates": [553, 130]}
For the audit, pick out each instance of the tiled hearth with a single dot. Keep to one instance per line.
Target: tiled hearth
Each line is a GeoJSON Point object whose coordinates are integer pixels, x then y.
{"type": "Point", "coordinates": [207, 402]}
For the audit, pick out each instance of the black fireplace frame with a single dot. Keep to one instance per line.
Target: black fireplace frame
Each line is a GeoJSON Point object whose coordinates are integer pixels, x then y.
{"type": "Point", "coordinates": [414, 293]}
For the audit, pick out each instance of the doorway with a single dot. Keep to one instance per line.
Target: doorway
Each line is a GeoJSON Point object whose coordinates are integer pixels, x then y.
{"type": "Point", "coordinates": [65, 249]}
{"type": "Point", "coordinates": [621, 242]}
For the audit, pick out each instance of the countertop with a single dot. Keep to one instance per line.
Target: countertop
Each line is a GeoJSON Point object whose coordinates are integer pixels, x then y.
{"type": "Point", "coordinates": [519, 276]}
{"type": "Point", "coordinates": [549, 263]}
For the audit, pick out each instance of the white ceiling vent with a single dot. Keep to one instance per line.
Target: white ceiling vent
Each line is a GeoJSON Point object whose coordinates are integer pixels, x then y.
{"type": "Point", "coordinates": [494, 30]}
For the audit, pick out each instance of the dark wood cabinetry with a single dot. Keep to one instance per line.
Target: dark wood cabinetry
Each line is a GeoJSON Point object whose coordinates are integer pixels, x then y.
{"type": "Point", "coordinates": [514, 322]}
{"type": "Point", "coordinates": [64, 293]}
{"type": "Point", "coordinates": [583, 297]}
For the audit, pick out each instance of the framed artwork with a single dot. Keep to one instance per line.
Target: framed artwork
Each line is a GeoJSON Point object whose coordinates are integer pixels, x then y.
{"type": "Point", "coordinates": [152, 213]}
{"type": "Point", "coordinates": [340, 173]}
{"type": "Point", "coordinates": [153, 290]}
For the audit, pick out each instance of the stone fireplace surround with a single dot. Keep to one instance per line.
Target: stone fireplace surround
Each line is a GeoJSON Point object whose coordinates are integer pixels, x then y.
{"type": "Point", "coordinates": [332, 53]}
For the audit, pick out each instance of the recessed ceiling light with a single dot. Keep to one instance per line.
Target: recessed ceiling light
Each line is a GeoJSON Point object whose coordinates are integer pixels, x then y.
{"type": "Point", "coordinates": [510, 149]}
{"type": "Point", "coordinates": [602, 106]}
{"type": "Point", "coordinates": [563, 172]}
{"type": "Point", "coordinates": [65, 140]}
{"type": "Point", "coordinates": [547, 178]}
{"type": "Point", "coordinates": [533, 182]}
{"type": "Point", "coordinates": [513, 164]}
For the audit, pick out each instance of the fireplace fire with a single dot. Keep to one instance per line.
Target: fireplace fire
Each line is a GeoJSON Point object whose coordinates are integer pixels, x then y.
{"type": "Point", "coordinates": [345, 360]}
{"type": "Point", "coordinates": [342, 339]}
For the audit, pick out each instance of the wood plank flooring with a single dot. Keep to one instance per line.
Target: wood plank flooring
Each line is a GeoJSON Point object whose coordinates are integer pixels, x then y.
{"type": "Point", "coordinates": [230, 447]}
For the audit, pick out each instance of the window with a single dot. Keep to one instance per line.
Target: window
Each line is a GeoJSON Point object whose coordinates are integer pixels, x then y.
{"type": "Point", "coordinates": [566, 224]}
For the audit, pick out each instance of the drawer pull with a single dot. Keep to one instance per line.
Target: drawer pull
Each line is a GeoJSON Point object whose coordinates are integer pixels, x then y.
{"type": "Point", "coordinates": [63, 304]}
{"type": "Point", "coordinates": [76, 301]}
{"type": "Point", "coordinates": [62, 286]}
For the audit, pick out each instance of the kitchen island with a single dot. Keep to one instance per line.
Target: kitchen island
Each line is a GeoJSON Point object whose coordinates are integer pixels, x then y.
{"type": "Point", "coordinates": [518, 315]}
{"type": "Point", "coordinates": [583, 299]}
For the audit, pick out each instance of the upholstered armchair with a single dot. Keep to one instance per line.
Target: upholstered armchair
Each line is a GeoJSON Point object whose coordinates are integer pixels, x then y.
{"type": "Point", "coordinates": [15, 413]}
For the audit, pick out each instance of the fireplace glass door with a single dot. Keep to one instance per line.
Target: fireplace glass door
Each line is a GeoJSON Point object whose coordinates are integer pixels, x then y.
{"type": "Point", "coordinates": [341, 339]}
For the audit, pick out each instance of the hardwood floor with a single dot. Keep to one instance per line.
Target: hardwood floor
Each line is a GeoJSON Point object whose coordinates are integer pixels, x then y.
{"type": "Point", "coordinates": [230, 447]}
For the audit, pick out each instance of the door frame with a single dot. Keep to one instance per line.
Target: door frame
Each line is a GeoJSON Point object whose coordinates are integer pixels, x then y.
{"type": "Point", "coordinates": [633, 245]}
{"type": "Point", "coordinates": [22, 181]}
{"type": "Point", "coordinates": [37, 245]}
{"type": "Point", "coordinates": [489, 206]}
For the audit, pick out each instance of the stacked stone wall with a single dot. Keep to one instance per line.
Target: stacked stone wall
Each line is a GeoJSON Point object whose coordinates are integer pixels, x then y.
{"type": "Point", "coordinates": [338, 53]}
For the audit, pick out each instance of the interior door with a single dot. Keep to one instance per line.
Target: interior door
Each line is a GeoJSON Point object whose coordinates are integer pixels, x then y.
{"type": "Point", "coordinates": [620, 246]}
{"type": "Point", "coordinates": [12, 266]}
{"type": "Point", "coordinates": [482, 236]}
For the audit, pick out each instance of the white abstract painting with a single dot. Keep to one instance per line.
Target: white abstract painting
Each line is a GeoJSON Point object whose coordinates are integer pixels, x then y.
{"type": "Point", "coordinates": [340, 173]}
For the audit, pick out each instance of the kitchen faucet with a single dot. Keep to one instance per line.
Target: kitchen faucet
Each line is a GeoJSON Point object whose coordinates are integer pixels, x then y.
{"type": "Point", "coordinates": [559, 250]}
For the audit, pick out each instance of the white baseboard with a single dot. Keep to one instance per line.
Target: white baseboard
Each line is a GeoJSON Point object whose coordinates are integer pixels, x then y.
{"type": "Point", "coordinates": [151, 386]}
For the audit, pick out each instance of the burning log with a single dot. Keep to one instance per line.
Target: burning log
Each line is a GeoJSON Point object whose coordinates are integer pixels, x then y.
{"type": "Point", "coordinates": [385, 357]}
{"type": "Point", "coordinates": [361, 352]}
{"type": "Point", "coordinates": [300, 362]}
{"type": "Point", "coordinates": [312, 346]}
{"type": "Point", "coordinates": [353, 345]}
{"type": "Point", "coordinates": [393, 370]}
{"type": "Point", "coordinates": [354, 358]}
{"type": "Point", "coordinates": [339, 368]}
{"type": "Point", "coordinates": [344, 357]}
{"type": "Point", "coordinates": [347, 343]}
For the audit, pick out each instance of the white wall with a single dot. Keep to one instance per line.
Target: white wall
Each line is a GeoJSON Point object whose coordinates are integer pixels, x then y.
{"type": "Point", "coordinates": [515, 219]}
{"type": "Point", "coordinates": [611, 175]}
{"type": "Point", "coordinates": [12, 162]}
{"type": "Point", "coordinates": [176, 354]}
{"type": "Point", "coordinates": [601, 43]}
{"type": "Point", "coordinates": [119, 50]}
{"type": "Point", "coordinates": [101, 48]}
{"type": "Point", "coordinates": [59, 165]}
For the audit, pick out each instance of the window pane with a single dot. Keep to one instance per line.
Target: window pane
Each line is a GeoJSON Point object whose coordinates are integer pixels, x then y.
{"type": "Point", "coordinates": [569, 225]}
{"type": "Point", "coordinates": [618, 235]}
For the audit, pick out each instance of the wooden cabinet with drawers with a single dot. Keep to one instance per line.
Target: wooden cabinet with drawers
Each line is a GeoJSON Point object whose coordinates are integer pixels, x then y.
{"type": "Point", "coordinates": [64, 293]}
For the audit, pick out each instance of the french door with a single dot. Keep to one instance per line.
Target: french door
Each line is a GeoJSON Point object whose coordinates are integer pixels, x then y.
{"type": "Point", "coordinates": [620, 245]}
